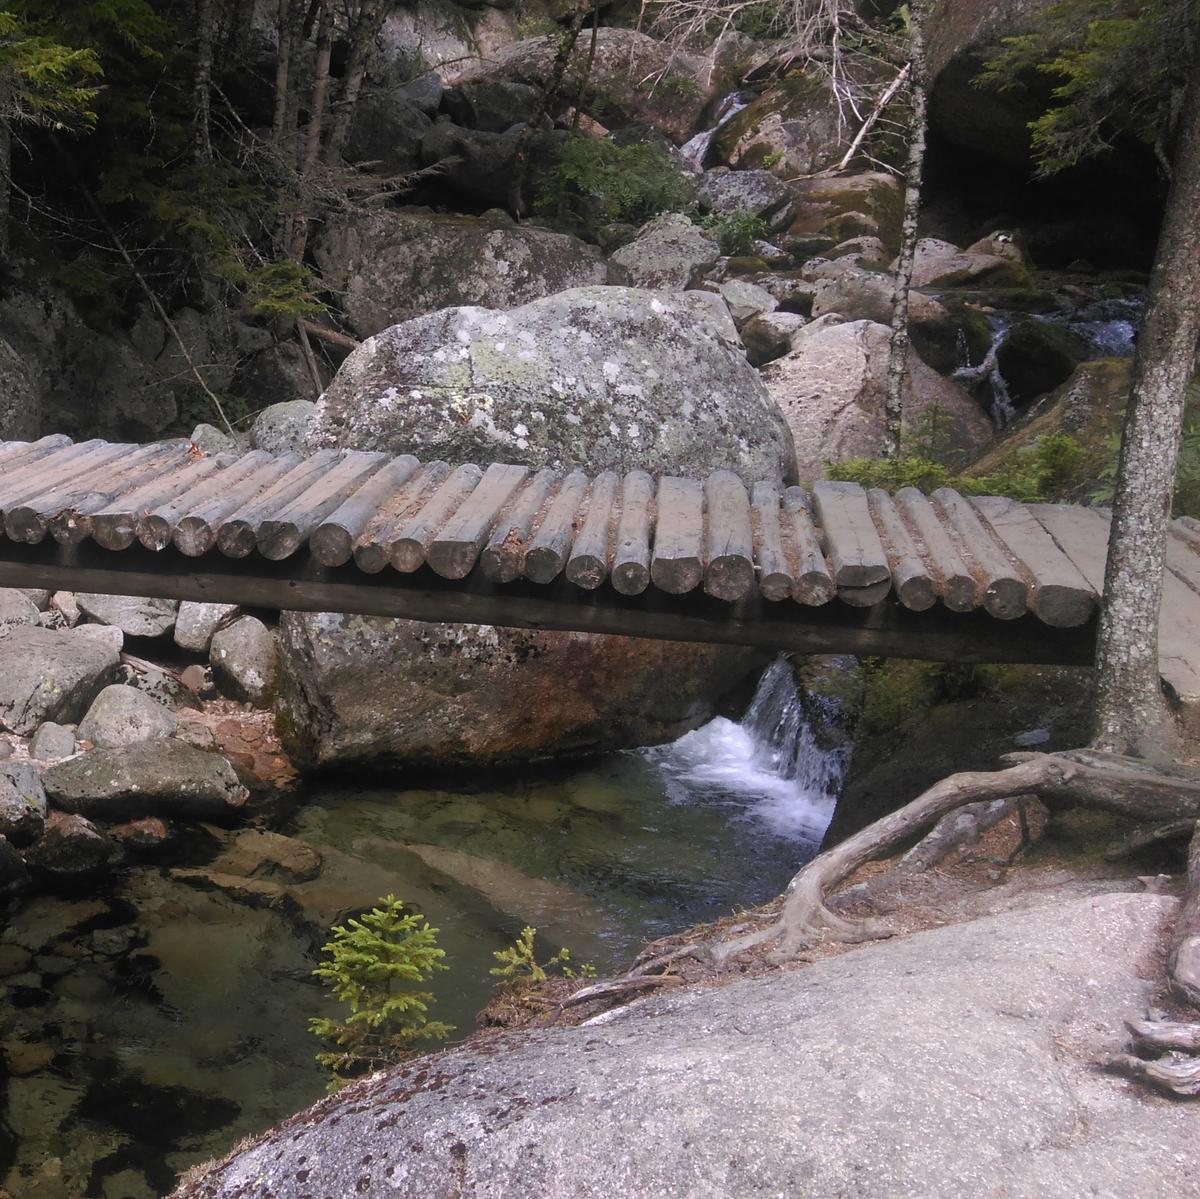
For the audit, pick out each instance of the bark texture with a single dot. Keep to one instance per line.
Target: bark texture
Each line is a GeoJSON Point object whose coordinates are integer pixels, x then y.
{"type": "Point", "coordinates": [363, 32]}
{"type": "Point", "coordinates": [1131, 716]}
{"type": "Point", "coordinates": [914, 171]}
{"type": "Point", "coordinates": [205, 34]}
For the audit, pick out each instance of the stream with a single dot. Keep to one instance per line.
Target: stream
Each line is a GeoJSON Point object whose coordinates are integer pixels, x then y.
{"type": "Point", "coordinates": [153, 1024]}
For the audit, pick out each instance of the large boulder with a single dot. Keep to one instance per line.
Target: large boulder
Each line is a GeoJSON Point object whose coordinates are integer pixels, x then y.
{"type": "Point", "coordinates": [122, 715]}
{"type": "Point", "coordinates": [668, 252]}
{"type": "Point", "coordinates": [833, 209]}
{"type": "Point", "coordinates": [244, 661]}
{"type": "Point", "coordinates": [387, 693]}
{"type": "Point", "coordinates": [731, 193]}
{"type": "Point", "coordinates": [597, 377]}
{"type": "Point", "coordinates": [162, 777]}
{"type": "Point", "coordinates": [136, 616]}
{"type": "Point", "coordinates": [831, 389]}
{"type": "Point", "coordinates": [956, 1063]}
{"type": "Point", "coordinates": [20, 399]}
{"type": "Point", "coordinates": [16, 608]}
{"type": "Point", "coordinates": [940, 264]}
{"type": "Point", "coordinates": [49, 675]}
{"type": "Point", "coordinates": [386, 131]}
{"type": "Point", "coordinates": [279, 429]}
{"type": "Point", "coordinates": [631, 78]}
{"type": "Point", "coordinates": [395, 264]}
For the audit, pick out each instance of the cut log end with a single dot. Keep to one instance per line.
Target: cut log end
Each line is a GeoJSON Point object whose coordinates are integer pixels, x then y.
{"type": "Point", "coordinates": [279, 539]}
{"type": "Point", "coordinates": [677, 576]}
{"type": "Point", "coordinates": [1006, 599]}
{"type": "Point", "coordinates": [1062, 606]}
{"type": "Point", "coordinates": [331, 545]}
{"type": "Point", "coordinates": [587, 571]}
{"type": "Point", "coordinates": [729, 577]}
{"type": "Point", "coordinates": [194, 536]}
{"type": "Point", "coordinates": [543, 564]}
{"type": "Point", "coordinates": [236, 539]}
{"type": "Point", "coordinates": [453, 559]}
{"type": "Point", "coordinates": [630, 578]}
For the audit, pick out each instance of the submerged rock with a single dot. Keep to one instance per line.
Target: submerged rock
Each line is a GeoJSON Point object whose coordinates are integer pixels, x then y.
{"type": "Point", "coordinates": [49, 675]}
{"type": "Point", "coordinates": [71, 847]}
{"type": "Point", "coordinates": [923, 1066]}
{"type": "Point", "coordinates": [163, 777]}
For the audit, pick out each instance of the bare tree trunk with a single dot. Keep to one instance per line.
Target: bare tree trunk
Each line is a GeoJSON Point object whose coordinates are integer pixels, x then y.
{"type": "Point", "coordinates": [893, 405]}
{"type": "Point", "coordinates": [316, 119]}
{"type": "Point", "coordinates": [5, 168]}
{"type": "Point", "coordinates": [362, 37]}
{"type": "Point", "coordinates": [237, 29]}
{"type": "Point", "coordinates": [1131, 716]}
{"type": "Point", "coordinates": [550, 96]}
{"type": "Point", "coordinates": [205, 31]}
{"type": "Point", "coordinates": [282, 71]}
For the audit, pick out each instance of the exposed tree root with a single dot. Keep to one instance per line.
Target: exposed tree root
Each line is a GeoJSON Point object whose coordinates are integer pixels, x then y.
{"type": "Point", "coordinates": [1175, 1073]}
{"type": "Point", "coordinates": [1165, 1036]}
{"type": "Point", "coordinates": [1183, 960]}
{"type": "Point", "coordinates": [1146, 835]}
{"type": "Point", "coordinates": [1127, 786]}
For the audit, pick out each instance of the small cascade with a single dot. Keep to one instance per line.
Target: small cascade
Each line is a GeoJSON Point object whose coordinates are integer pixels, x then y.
{"type": "Point", "coordinates": [774, 765]}
{"type": "Point", "coordinates": [1108, 326]}
{"type": "Point", "coordinates": [1001, 408]}
{"type": "Point", "coordinates": [695, 150]}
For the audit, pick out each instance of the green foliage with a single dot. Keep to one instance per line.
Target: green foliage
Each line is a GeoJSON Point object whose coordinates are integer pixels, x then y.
{"type": "Point", "coordinates": [1117, 69]}
{"type": "Point", "coordinates": [372, 964]}
{"type": "Point", "coordinates": [772, 159]}
{"type": "Point", "coordinates": [519, 964]}
{"type": "Point", "coordinates": [43, 82]}
{"type": "Point", "coordinates": [1041, 471]}
{"type": "Point", "coordinates": [736, 232]}
{"type": "Point", "coordinates": [1186, 499]}
{"type": "Point", "coordinates": [897, 691]}
{"type": "Point", "coordinates": [595, 182]}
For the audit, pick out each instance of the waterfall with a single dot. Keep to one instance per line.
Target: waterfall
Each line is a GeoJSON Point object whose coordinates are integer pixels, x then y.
{"type": "Point", "coordinates": [774, 766]}
{"type": "Point", "coordinates": [694, 151]}
{"type": "Point", "coordinates": [1002, 409]}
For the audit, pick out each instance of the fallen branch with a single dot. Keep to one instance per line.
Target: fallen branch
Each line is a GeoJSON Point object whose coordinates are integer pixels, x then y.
{"type": "Point", "coordinates": [332, 336]}
{"type": "Point", "coordinates": [884, 100]}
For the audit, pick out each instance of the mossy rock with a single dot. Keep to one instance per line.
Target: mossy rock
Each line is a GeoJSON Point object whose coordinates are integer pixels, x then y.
{"type": "Point", "coordinates": [870, 204]}
{"type": "Point", "coordinates": [1036, 356]}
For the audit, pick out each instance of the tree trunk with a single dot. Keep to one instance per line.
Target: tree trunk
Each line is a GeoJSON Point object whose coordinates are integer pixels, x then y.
{"type": "Point", "coordinates": [205, 31]}
{"type": "Point", "coordinates": [237, 29]}
{"type": "Point", "coordinates": [316, 119]}
{"type": "Point", "coordinates": [1131, 716]}
{"type": "Point", "coordinates": [893, 407]}
{"type": "Point", "coordinates": [5, 166]}
{"type": "Point", "coordinates": [282, 71]}
{"type": "Point", "coordinates": [362, 37]}
{"type": "Point", "coordinates": [550, 95]}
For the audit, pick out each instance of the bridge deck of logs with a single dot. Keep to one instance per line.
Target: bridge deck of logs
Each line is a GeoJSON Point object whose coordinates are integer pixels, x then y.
{"type": "Point", "coordinates": [831, 568]}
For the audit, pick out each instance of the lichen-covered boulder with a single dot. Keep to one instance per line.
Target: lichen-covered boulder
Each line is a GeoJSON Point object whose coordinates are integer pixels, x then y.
{"type": "Point", "coordinates": [49, 675]}
{"type": "Point", "coordinates": [160, 777]}
{"type": "Point", "coordinates": [668, 252]}
{"type": "Point", "coordinates": [196, 623]}
{"type": "Point", "coordinates": [632, 78]}
{"type": "Point", "coordinates": [20, 399]}
{"type": "Point", "coordinates": [396, 264]}
{"type": "Point", "coordinates": [243, 657]}
{"type": "Point", "coordinates": [356, 690]}
{"type": "Point", "coordinates": [595, 377]}
{"type": "Point", "coordinates": [136, 616]}
{"type": "Point", "coordinates": [279, 429]}
{"type": "Point", "coordinates": [122, 715]}
{"type": "Point", "coordinates": [729, 193]}
{"type": "Point", "coordinates": [938, 263]}
{"type": "Point", "coordinates": [831, 388]}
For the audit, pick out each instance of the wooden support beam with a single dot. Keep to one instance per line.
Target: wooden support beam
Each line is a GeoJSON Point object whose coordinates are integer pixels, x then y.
{"type": "Point", "coordinates": [299, 583]}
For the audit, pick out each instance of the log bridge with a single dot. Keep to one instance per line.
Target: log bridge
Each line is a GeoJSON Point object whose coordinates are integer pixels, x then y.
{"type": "Point", "coordinates": [830, 569]}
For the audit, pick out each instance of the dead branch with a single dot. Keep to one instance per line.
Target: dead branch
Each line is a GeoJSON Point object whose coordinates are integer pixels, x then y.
{"type": "Point", "coordinates": [884, 100]}
{"type": "Point", "coordinates": [1165, 1036]}
{"type": "Point", "coordinates": [1176, 1074]}
{"type": "Point", "coordinates": [342, 340]}
{"type": "Point", "coordinates": [1145, 835]}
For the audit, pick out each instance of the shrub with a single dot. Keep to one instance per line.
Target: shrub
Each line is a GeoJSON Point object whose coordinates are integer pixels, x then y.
{"type": "Point", "coordinates": [372, 964]}
{"type": "Point", "coordinates": [519, 964]}
{"type": "Point", "coordinates": [736, 232]}
{"type": "Point", "coordinates": [595, 182]}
